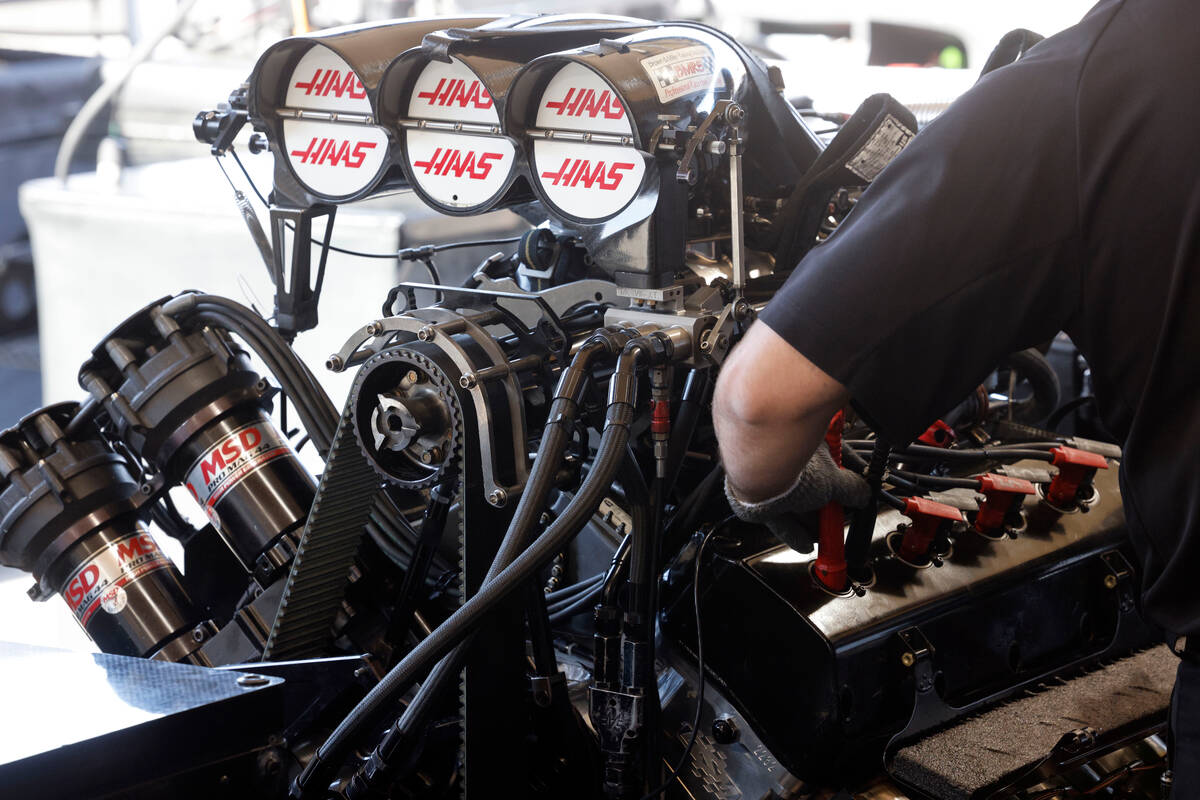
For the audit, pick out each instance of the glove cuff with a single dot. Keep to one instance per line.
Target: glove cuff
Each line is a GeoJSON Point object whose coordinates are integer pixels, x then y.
{"type": "Point", "coordinates": [763, 509]}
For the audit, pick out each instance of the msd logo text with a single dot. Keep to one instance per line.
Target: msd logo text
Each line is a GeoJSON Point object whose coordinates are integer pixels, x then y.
{"type": "Point", "coordinates": [327, 82]}
{"type": "Point", "coordinates": [322, 151]}
{"type": "Point", "coordinates": [586, 102]}
{"type": "Point", "coordinates": [457, 92]}
{"type": "Point", "coordinates": [452, 161]}
{"type": "Point", "coordinates": [589, 174]}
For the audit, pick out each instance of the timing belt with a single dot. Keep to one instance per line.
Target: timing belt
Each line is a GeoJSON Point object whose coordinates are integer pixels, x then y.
{"type": "Point", "coordinates": [317, 581]}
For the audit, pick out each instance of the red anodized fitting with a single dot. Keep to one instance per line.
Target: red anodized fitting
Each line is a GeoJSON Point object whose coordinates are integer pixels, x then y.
{"type": "Point", "coordinates": [1075, 468]}
{"type": "Point", "coordinates": [660, 416]}
{"type": "Point", "coordinates": [1001, 493]}
{"type": "Point", "coordinates": [927, 517]}
{"type": "Point", "coordinates": [830, 566]}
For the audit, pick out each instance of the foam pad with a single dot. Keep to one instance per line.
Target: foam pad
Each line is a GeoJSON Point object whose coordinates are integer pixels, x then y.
{"type": "Point", "coordinates": [983, 750]}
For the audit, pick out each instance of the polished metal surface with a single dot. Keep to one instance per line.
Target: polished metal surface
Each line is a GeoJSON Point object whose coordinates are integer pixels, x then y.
{"type": "Point", "coordinates": [58, 699]}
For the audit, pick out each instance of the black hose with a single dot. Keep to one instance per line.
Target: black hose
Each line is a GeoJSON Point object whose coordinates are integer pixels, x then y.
{"type": "Point", "coordinates": [643, 539]}
{"type": "Point", "coordinates": [317, 412]}
{"type": "Point", "coordinates": [432, 529]}
{"type": "Point", "coordinates": [616, 571]}
{"type": "Point", "coordinates": [574, 588]}
{"type": "Point", "coordinates": [933, 480]}
{"type": "Point", "coordinates": [580, 605]}
{"type": "Point", "coordinates": [683, 521]}
{"type": "Point", "coordinates": [687, 417]}
{"type": "Point", "coordinates": [977, 454]}
{"type": "Point", "coordinates": [555, 439]}
{"type": "Point", "coordinates": [383, 696]}
{"type": "Point", "coordinates": [1066, 409]}
{"type": "Point", "coordinates": [1031, 365]}
{"type": "Point", "coordinates": [862, 524]}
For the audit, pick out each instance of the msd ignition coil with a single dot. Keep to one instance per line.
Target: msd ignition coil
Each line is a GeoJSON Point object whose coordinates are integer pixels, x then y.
{"type": "Point", "coordinates": [185, 400]}
{"type": "Point", "coordinates": [69, 513]}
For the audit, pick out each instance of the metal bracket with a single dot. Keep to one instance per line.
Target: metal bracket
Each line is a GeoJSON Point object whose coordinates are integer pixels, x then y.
{"type": "Point", "coordinates": [439, 324]}
{"type": "Point", "coordinates": [296, 296]}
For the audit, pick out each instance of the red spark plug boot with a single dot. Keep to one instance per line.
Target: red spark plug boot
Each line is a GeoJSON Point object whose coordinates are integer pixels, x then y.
{"type": "Point", "coordinates": [939, 434]}
{"type": "Point", "coordinates": [927, 517]}
{"type": "Point", "coordinates": [1002, 493]}
{"type": "Point", "coordinates": [830, 566]}
{"type": "Point", "coordinates": [1076, 468]}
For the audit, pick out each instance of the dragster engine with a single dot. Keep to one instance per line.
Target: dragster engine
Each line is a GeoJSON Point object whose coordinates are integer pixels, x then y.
{"type": "Point", "coordinates": [503, 563]}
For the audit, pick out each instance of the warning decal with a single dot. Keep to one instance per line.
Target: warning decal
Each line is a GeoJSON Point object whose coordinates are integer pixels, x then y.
{"type": "Point", "coordinates": [885, 144]}
{"type": "Point", "coordinates": [99, 583]}
{"type": "Point", "coordinates": [680, 72]}
{"type": "Point", "coordinates": [230, 460]}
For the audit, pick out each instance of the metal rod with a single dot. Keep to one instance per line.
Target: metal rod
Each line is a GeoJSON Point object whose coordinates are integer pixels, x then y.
{"type": "Point", "coordinates": [737, 232]}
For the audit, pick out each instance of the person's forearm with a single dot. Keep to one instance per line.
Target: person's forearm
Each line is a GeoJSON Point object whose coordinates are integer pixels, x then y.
{"type": "Point", "coordinates": [763, 457]}
{"type": "Point", "coordinates": [771, 409]}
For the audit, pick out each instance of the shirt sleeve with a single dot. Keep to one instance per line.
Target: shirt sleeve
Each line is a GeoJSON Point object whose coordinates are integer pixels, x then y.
{"type": "Point", "coordinates": [964, 249]}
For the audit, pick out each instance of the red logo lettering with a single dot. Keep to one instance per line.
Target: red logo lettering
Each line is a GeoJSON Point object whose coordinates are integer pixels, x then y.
{"type": "Point", "coordinates": [78, 588]}
{"type": "Point", "coordinates": [141, 545]}
{"type": "Point", "coordinates": [585, 102]}
{"type": "Point", "coordinates": [589, 174]}
{"type": "Point", "coordinates": [213, 466]}
{"type": "Point", "coordinates": [331, 152]}
{"type": "Point", "coordinates": [230, 449]}
{"type": "Point", "coordinates": [457, 92]}
{"type": "Point", "coordinates": [251, 438]}
{"type": "Point", "coordinates": [452, 161]}
{"type": "Point", "coordinates": [330, 81]}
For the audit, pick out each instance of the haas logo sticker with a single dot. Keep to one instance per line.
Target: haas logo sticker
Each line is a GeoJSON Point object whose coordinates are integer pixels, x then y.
{"type": "Point", "coordinates": [327, 82]}
{"type": "Point", "coordinates": [588, 174]}
{"type": "Point", "coordinates": [447, 161]}
{"type": "Point", "coordinates": [586, 102]}
{"type": "Point", "coordinates": [322, 151]}
{"type": "Point", "coordinates": [457, 92]}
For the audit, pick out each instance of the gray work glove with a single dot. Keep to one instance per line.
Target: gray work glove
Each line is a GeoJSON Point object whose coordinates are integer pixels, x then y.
{"type": "Point", "coordinates": [820, 482]}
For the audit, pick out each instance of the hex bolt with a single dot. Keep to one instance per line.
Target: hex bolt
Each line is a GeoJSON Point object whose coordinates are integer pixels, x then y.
{"type": "Point", "coordinates": [431, 456]}
{"type": "Point", "coordinates": [334, 363]}
{"type": "Point", "coordinates": [907, 659]}
{"type": "Point", "coordinates": [1110, 581]}
{"type": "Point", "coordinates": [411, 376]}
{"type": "Point", "coordinates": [725, 730]}
{"type": "Point", "coordinates": [498, 497]}
{"type": "Point", "coordinates": [467, 381]}
{"type": "Point", "coordinates": [426, 333]}
{"type": "Point", "coordinates": [373, 328]}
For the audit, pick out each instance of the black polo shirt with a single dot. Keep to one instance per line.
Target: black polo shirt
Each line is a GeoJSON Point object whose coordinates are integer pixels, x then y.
{"type": "Point", "coordinates": [1061, 192]}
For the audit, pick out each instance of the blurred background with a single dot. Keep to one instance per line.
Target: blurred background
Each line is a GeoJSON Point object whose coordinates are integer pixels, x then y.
{"type": "Point", "coordinates": [128, 207]}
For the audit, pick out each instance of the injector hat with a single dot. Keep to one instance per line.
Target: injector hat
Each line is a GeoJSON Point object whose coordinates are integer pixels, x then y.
{"type": "Point", "coordinates": [315, 98]}
{"type": "Point", "coordinates": [445, 100]}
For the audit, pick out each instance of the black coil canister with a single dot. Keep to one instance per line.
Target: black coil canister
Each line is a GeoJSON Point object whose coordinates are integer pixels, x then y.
{"type": "Point", "coordinates": [186, 400]}
{"type": "Point", "coordinates": [69, 515]}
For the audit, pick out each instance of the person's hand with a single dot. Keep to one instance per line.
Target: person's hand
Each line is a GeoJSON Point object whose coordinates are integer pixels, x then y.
{"type": "Point", "coordinates": [820, 482]}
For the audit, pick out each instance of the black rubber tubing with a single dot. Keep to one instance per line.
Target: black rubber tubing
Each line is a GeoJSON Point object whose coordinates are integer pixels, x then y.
{"type": "Point", "coordinates": [441, 641]}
